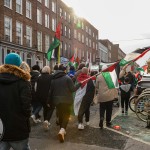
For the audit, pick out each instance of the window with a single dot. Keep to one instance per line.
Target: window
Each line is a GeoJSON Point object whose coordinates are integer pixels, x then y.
{"type": "Point", "coordinates": [60, 12]}
{"type": "Point", "coordinates": [19, 6]}
{"type": "Point", "coordinates": [90, 43]}
{"type": "Point", "coordinates": [53, 6]}
{"type": "Point", "coordinates": [39, 16]}
{"type": "Point", "coordinates": [79, 36]}
{"type": "Point", "coordinates": [19, 33]}
{"type": "Point", "coordinates": [61, 47]}
{"type": "Point", "coordinates": [65, 14]}
{"type": "Point", "coordinates": [82, 38]}
{"type": "Point", "coordinates": [53, 24]}
{"type": "Point", "coordinates": [65, 30]}
{"type": "Point", "coordinates": [86, 41]}
{"type": "Point", "coordinates": [69, 33]}
{"type": "Point", "coordinates": [46, 42]}
{"type": "Point", "coordinates": [86, 29]}
{"type": "Point", "coordinates": [28, 9]}
{"type": "Point", "coordinates": [89, 31]}
{"type": "Point", "coordinates": [8, 29]}
{"type": "Point", "coordinates": [93, 45]}
{"type": "Point", "coordinates": [28, 36]}
{"type": "Point", "coordinates": [8, 3]}
{"type": "Point", "coordinates": [75, 34]}
{"type": "Point", "coordinates": [39, 41]}
{"type": "Point", "coordinates": [47, 3]}
{"type": "Point", "coordinates": [69, 18]}
{"type": "Point", "coordinates": [93, 34]}
{"type": "Point", "coordinates": [69, 50]}
{"type": "Point", "coordinates": [47, 20]}
{"type": "Point", "coordinates": [82, 26]}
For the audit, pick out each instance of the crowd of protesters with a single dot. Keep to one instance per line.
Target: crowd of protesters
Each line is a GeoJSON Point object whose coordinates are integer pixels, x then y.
{"type": "Point", "coordinates": [25, 92]}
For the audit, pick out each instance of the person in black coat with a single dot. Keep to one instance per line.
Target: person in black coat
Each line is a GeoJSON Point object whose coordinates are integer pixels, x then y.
{"type": "Point", "coordinates": [15, 104]}
{"type": "Point", "coordinates": [36, 105]}
{"type": "Point", "coordinates": [61, 95]}
{"type": "Point", "coordinates": [42, 90]}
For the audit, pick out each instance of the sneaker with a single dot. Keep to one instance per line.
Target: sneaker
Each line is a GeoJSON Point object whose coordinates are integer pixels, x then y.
{"type": "Point", "coordinates": [38, 121]}
{"type": "Point", "coordinates": [33, 119]}
{"type": "Point", "coordinates": [80, 126]}
{"type": "Point", "coordinates": [61, 135]}
{"type": "Point", "coordinates": [46, 125]}
{"type": "Point", "coordinates": [126, 113]}
{"type": "Point", "coordinates": [88, 123]}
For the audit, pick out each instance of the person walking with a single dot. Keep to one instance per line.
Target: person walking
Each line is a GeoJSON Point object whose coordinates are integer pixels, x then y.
{"type": "Point", "coordinates": [36, 105]}
{"type": "Point", "coordinates": [15, 104]}
{"type": "Point", "coordinates": [105, 98]}
{"type": "Point", "coordinates": [61, 95]}
{"type": "Point", "coordinates": [125, 91]}
{"type": "Point", "coordinates": [42, 90]}
{"type": "Point", "coordinates": [87, 99]}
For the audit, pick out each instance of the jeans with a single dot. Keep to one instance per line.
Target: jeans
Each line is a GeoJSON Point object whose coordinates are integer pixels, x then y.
{"type": "Point", "coordinates": [37, 106]}
{"type": "Point", "coordinates": [16, 145]}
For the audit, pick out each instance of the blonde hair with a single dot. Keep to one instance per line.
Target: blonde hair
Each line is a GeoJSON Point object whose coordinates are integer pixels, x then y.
{"type": "Point", "coordinates": [46, 69]}
{"type": "Point", "coordinates": [85, 70]}
{"type": "Point", "coordinates": [24, 66]}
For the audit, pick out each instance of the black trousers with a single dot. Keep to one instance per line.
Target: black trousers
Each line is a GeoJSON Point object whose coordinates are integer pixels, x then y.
{"type": "Point", "coordinates": [106, 106]}
{"type": "Point", "coordinates": [63, 111]}
{"type": "Point", "coordinates": [84, 109]}
{"type": "Point", "coordinates": [125, 100]}
{"type": "Point", "coordinates": [47, 111]}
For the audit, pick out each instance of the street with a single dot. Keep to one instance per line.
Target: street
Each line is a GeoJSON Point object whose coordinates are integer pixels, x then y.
{"type": "Point", "coordinates": [132, 136]}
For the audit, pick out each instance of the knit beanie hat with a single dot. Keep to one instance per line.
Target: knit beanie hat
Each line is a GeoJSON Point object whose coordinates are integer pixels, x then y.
{"type": "Point", "coordinates": [13, 59]}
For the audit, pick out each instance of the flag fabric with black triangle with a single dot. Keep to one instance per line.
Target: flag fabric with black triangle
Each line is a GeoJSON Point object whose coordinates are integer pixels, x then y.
{"type": "Point", "coordinates": [134, 56]}
{"type": "Point", "coordinates": [55, 45]}
{"type": "Point", "coordinates": [111, 74]}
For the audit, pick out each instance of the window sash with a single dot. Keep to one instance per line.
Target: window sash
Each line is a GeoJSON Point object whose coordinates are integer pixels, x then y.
{"type": "Point", "coordinates": [8, 29]}
{"type": "Point", "coordinates": [8, 3]}
{"type": "Point", "coordinates": [28, 9]}
{"type": "Point", "coordinates": [19, 6]}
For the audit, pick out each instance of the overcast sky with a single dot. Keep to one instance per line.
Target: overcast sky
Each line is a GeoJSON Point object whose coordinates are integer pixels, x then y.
{"type": "Point", "coordinates": [120, 21]}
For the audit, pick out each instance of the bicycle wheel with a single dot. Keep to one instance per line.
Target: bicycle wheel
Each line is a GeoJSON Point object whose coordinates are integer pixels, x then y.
{"type": "Point", "coordinates": [132, 102]}
{"type": "Point", "coordinates": [140, 109]}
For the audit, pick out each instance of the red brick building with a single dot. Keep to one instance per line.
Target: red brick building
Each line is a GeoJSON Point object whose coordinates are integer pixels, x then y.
{"type": "Point", "coordinates": [114, 51]}
{"type": "Point", "coordinates": [28, 28]}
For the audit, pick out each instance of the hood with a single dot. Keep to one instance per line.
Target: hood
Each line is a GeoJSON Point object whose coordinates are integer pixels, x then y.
{"type": "Point", "coordinates": [58, 74]}
{"type": "Point", "coordinates": [34, 74]}
{"type": "Point", "coordinates": [11, 73]}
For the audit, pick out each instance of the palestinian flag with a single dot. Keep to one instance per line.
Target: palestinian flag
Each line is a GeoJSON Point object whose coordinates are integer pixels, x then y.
{"type": "Point", "coordinates": [80, 93]}
{"type": "Point", "coordinates": [71, 61]}
{"type": "Point", "coordinates": [111, 74]}
{"type": "Point", "coordinates": [134, 56]}
{"type": "Point", "coordinates": [55, 45]}
{"type": "Point", "coordinates": [76, 63]}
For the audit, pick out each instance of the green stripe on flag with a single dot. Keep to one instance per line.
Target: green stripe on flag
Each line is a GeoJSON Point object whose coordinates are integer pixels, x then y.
{"type": "Point", "coordinates": [123, 62]}
{"type": "Point", "coordinates": [54, 45]}
{"type": "Point", "coordinates": [108, 80]}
